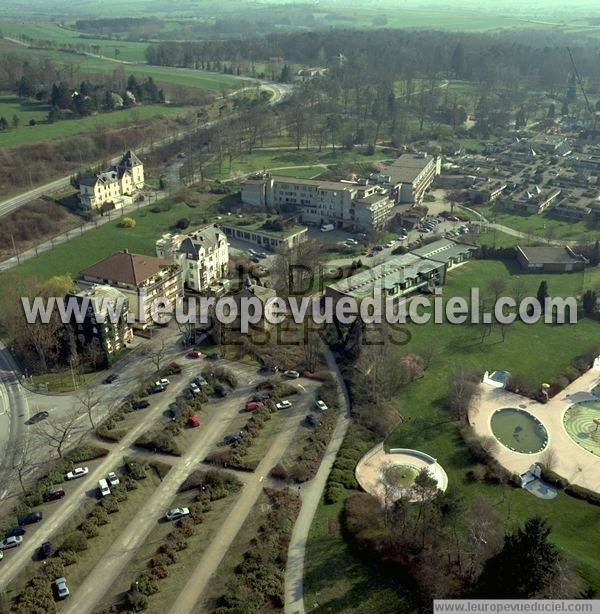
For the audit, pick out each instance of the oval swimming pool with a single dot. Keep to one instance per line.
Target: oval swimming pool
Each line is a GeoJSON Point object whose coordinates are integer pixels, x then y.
{"type": "Point", "coordinates": [519, 430]}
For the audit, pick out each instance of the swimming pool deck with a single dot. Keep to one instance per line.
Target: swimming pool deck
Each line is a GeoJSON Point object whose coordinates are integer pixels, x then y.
{"type": "Point", "coordinates": [571, 461]}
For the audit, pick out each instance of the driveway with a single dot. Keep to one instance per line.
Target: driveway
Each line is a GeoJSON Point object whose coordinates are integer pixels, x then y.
{"type": "Point", "coordinates": [124, 547]}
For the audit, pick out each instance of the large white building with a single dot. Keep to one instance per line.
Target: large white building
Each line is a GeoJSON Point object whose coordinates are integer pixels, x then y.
{"type": "Point", "coordinates": [411, 175]}
{"type": "Point", "coordinates": [202, 255]}
{"type": "Point", "coordinates": [117, 185]}
{"type": "Point", "coordinates": [353, 206]}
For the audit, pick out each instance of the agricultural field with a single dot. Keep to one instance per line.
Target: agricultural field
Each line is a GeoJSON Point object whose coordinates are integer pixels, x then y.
{"type": "Point", "coordinates": [25, 111]}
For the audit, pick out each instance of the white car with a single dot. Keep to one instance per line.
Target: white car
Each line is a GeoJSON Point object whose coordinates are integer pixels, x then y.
{"type": "Point", "coordinates": [78, 472]}
{"type": "Point", "coordinates": [62, 590]}
{"type": "Point", "coordinates": [320, 405]}
{"type": "Point", "coordinates": [176, 513]}
{"type": "Point", "coordinates": [291, 374]}
{"type": "Point", "coordinates": [11, 542]}
{"type": "Point", "coordinates": [284, 405]}
{"type": "Point", "coordinates": [194, 389]}
{"type": "Point", "coordinates": [163, 382]}
{"type": "Point", "coordinates": [112, 478]}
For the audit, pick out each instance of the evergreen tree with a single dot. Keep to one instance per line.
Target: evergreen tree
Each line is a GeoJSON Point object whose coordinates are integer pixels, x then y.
{"type": "Point", "coordinates": [525, 567]}
{"type": "Point", "coordinates": [53, 115]}
{"type": "Point", "coordinates": [590, 301]}
{"type": "Point", "coordinates": [542, 294]}
{"type": "Point", "coordinates": [286, 74]}
{"type": "Point", "coordinates": [3, 124]}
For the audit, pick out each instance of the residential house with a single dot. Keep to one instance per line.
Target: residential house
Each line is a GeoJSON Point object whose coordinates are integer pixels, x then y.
{"type": "Point", "coordinates": [117, 185]}
{"type": "Point", "coordinates": [203, 257]}
{"type": "Point", "coordinates": [550, 259]}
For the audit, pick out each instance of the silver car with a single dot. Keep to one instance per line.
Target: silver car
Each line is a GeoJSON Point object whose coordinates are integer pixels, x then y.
{"type": "Point", "coordinates": [62, 590]}
{"type": "Point", "coordinates": [11, 542]}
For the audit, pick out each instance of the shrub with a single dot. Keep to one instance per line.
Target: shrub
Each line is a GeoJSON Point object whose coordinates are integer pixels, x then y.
{"type": "Point", "coordinates": [136, 601]}
{"type": "Point", "coordinates": [76, 542]}
{"type": "Point", "coordinates": [182, 223]}
{"type": "Point", "coordinates": [110, 505]}
{"type": "Point", "coordinates": [127, 222]}
{"type": "Point", "coordinates": [477, 473]}
{"type": "Point", "coordinates": [333, 492]}
{"type": "Point", "coordinates": [89, 528]}
{"type": "Point", "coordinates": [553, 478]}
{"type": "Point", "coordinates": [67, 557]}
{"type": "Point", "coordinates": [160, 468]}
{"type": "Point", "coordinates": [137, 470]}
{"type": "Point", "coordinates": [186, 527]}
{"type": "Point", "coordinates": [583, 493]}
{"type": "Point", "coordinates": [160, 572]}
{"type": "Point", "coordinates": [160, 559]}
{"type": "Point", "coordinates": [279, 472]}
{"type": "Point", "coordinates": [146, 584]}
{"type": "Point", "coordinates": [100, 515]}
{"type": "Point", "coordinates": [169, 550]}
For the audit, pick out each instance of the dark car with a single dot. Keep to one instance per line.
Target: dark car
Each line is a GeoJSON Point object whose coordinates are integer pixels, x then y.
{"type": "Point", "coordinates": [174, 411]}
{"type": "Point", "coordinates": [213, 356]}
{"type": "Point", "coordinates": [221, 391]}
{"type": "Point", "coordinates": [260, 396]}
{"type": "Point", "coordinates": [155, 389]}
{"type": "Point", "coordinates": [41, 415]}
{"type": "Point", "coordinates": [18, 530]}
{"type": "Point", "coordinates": [113, 377]}
{"type": "Point", "coordinates": [31, 518]}
{"type": "Point", "coordinates": [312, 421]}
{"type": "Point", "coordinates": [46, 550]}
{"type": "Point", "coordinates": [141, 404]}
{"type": "Point", "coordinates": [377, 248]}
{"type": "Point", "coordinates": [53, 495]}
{"type": "Point", "coordinates": [231, 438]}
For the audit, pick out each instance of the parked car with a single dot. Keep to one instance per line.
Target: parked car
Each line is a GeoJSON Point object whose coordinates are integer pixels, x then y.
{"type": "Point", "coordinates": [141, 404]}
{"type": "Point", "coordinates": [213, 356]}
{"type": "Point", "coordinates": [291, 374]}
{"type": "Point", "coordinates": [231, 438]}
{"type": "Point", "coordinates": [18, 530]}
{"type": "Point", "coordinates": [113, 377]}
{"type": "Point", "coordinates": [260, 396]}
{"type": "Point", "coordinates": [221, 391]}
{"type": "Point", "coordinates": [61, 588]}
{"type": "Point", "coordinates": [41, 415]}
{"type": "Point", "coordinates": [284, 405]}
{"type": "Point", "coordinates": [320, 405]}
{"type": "Point", "coordinates": [174, 411]}
{"type": "Point", "coordinates": [103, 488]}
{"type": "Point", "coordinates": [155, 389]}
{"type": "Point", "coordinates": [30, 518]}
{"type": "Point", "coordinates": [11, 542]}
{"type": "Point", "coordinates": [194, 354]}
{"type": "Point", "coordinates": [78, 472]}
{"type": "Point", "coordinates": [312, 421]}
{"type": "Point", "coordinates": [46, 550]}
{"type": "Point", "coordinates": [53, 495]}
{"type": "Point", "coordinates": [163, 381]}
{"type": "Point", "coordinates": [261, 255]}
{"type": "Point", "coordinates": [200, 381]}
{"type": "Point", "coordinates": [176, 513]}
{"type": "Point", "coordinates": [377, 248]}
{"type": "Point", "coordinates": [452, 218]}
{"type": "Point", "coordinates": [113, 478]}
{"type": "Point", "coordinates": [253, 405]}
{"type": "Point", "coordinates": [193, 421]}
{"type": "Point", "coordinates": [194, 389]}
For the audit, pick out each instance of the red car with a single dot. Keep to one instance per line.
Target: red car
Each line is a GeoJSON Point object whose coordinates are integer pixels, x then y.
{"type": "Point", "coordinates": [252, 405]}
{"type": "Point", "coordinates": [194, 421]}
{"type": "Point", "coordinates": [194, 354]}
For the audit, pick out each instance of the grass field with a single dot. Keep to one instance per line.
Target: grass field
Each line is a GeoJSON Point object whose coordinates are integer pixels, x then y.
{"type": "Point", "coordinates": [25, 134]}
{"type": "Point", "coordinates": [207, 81]}
{"type": "Point", "coordinates": [82, 251]}
{"type": "Point", "coordinates": [542, 225]}
{"type": "Point", "coordinates": [335, 578]}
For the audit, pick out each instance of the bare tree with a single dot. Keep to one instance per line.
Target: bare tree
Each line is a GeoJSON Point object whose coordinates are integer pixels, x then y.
{"type": "Point", "coordinates": [56, 432]}
{"type": "Point", "coordinates": [24, 463]}
{"type": "Point", "coordinates": [156, 352]}
{"type": "Point", "coordinates": [89, 403]}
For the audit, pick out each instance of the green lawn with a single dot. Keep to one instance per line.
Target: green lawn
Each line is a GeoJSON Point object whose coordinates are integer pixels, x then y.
{"type": "Point", "coordinates": [82, 251]}
{"type": "Point", "coordinates": [25, 134]}
{"type": "Point", "coordinates": [203, 80]}
{"type": "Point", "coordinates": [538, 352]}
{"type": "Point", "coordinates": [44, 32]}
{"type": "Point", "coordinates": [542, 225]}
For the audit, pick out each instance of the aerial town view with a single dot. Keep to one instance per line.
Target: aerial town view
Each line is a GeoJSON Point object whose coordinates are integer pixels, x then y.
{"type": "Point", "coordinates": [299, 306]}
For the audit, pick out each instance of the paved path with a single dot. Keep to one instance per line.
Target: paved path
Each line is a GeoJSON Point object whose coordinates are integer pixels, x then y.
{"type": "Point", "coordinates": [16, 559]}
{"type": "Point", "coordinates": [216, 551]}
{"type": "Point", "coordinates": [311, 497]}
{"type": "Point", "coordinates": [102, 577]}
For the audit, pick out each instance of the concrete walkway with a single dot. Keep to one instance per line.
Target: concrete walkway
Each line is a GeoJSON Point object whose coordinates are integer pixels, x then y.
{"type": "Point", "coordinates": [311, 494]}
{"type": "Point", "coordinates": [569, 459]}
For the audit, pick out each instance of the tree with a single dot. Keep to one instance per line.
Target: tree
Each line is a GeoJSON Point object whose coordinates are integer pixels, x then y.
{"type": "Point", "coordinates": [16, 120]}
{"type": "Point", "coordinates": [525, 567]}
{"type": "Point", "coordinates": [542, 294]}
{"type": "Point", "coordinates": [56, 433]}
{"type": "Point", "coordinates": [89, 402]}
{"type": "Point", "coordinates": [590, 302]}
{"type": "Point", "coordinates": [3, 124]}
{"type": "Point", "coordinates": [156, 353]}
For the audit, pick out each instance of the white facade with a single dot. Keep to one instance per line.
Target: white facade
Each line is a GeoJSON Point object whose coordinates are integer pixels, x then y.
{"type": "Point", "coordinates": [117, 185]}
{"type": "Point", "coordinates": [202, 255]}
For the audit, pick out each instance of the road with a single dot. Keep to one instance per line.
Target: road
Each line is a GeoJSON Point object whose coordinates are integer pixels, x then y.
{"type": "Point", "coordinates": [213, 429]}
{"type": "Point", "coordinates": [279, 92]}
{"type": "Point", "coordinates": [311, 497]}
